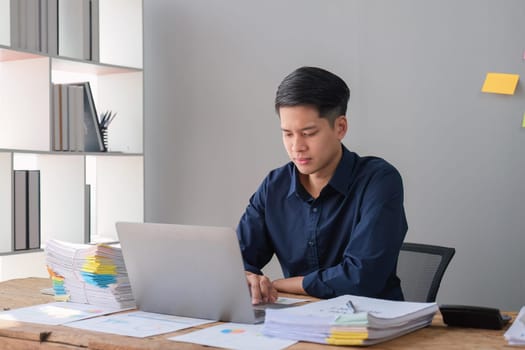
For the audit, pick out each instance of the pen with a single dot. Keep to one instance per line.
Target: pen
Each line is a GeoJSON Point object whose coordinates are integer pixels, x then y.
{"type": "Point", "coordinates": [350, 306]}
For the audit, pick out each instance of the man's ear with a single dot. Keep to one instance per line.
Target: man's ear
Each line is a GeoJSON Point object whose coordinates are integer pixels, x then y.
{"type": "Point", "coordinates": [341, 126]}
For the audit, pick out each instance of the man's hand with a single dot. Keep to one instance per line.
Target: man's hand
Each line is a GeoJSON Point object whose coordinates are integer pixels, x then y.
{"type": "Point", "coordinates": [293, 285]}
{"type": "Point", "coordinates": [261, 288]}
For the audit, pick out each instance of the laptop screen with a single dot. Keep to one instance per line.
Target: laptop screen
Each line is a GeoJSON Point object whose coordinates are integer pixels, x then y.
{"type": "Point", "coordinates": [183, 270]}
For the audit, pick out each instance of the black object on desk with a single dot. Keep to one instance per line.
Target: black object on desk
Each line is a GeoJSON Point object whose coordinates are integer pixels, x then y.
{"type": "Point", "coordinates": [473, 316]}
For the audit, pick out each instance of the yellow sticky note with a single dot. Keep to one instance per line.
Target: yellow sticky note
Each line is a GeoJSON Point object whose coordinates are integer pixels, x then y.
{"type": "Point", "coordinates": [523, 122]}
{"type": "Point", "coordinates": [500, 83]}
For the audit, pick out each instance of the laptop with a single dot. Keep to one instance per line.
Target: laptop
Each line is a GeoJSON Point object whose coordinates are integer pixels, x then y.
{"type": "Point", "coordinates": [190, 271]}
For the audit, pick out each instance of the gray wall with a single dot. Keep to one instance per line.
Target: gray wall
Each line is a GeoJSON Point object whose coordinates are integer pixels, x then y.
{"type": "Point", "coordinates": [415, 69]}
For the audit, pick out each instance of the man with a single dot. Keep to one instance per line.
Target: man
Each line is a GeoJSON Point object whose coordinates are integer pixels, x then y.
{"type": "Point", "coordinates": [335, 220]}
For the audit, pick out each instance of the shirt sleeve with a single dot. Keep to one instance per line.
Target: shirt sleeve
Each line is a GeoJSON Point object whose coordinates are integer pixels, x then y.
{"type": "Point", "coordinates": [370, 257]}
{"type": "Point", "coordinates": [256, 247]}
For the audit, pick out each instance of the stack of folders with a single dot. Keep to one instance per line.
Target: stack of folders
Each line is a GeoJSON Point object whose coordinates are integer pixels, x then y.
{"type": "Point", "coordinates": [89, 274]}
{"type": "Point", "coordinates": [67, 28]}
{"type": "Point", "coordinates": [75, 119]}
{"type": "Point", "coordinates": [515, 335]}
{"type": "Point", "coordinates": [348, 320]}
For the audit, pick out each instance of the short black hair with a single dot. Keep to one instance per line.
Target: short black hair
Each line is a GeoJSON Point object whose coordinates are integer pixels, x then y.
{"type": "Point", "coordinates": [316, 87]}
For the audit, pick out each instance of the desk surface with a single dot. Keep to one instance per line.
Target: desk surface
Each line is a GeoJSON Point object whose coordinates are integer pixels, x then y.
{"type": "Point", "coordinates": [25, 292]}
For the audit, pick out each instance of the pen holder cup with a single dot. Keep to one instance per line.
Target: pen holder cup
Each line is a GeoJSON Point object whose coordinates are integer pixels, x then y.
{"type": "Point", "coordinates": [104, 132]}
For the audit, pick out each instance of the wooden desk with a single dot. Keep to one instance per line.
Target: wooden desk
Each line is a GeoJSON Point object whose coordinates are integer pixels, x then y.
{"type": "Point", "coordinates": [25, 292]}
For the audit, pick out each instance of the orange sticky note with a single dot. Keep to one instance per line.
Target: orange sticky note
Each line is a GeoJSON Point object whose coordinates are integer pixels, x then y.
{"type": "Point", "coordinates": [500, 83]}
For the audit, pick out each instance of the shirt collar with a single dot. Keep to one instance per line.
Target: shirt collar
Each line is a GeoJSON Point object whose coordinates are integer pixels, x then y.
{"type": "Point", "coordinates": [341, 179]}
{"type": "Point", "coordinates": [294, 179]}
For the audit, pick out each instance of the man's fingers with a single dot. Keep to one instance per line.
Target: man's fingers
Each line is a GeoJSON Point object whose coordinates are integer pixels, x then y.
{"type": "Point", "coordinates": [274, 295]}
{"type": "Point", "coordinates": [266, 289]}
{"type": "Point", "coordinates": [255, 289]}
{"type": "Point", "coordinates": [261, 288]}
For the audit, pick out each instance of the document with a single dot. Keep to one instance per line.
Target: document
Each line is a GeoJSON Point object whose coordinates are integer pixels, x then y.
{"type": "Point", "coordinates": [348, 320]}
{"type": "Point", "coordinates": [138, 324]}
{"type": "Point", "coordinates": [56, 313]}
{"type": "Point", "coordinates": [289, 301]}
{"type": "Point", "coordinates": [234, 336]}
{"type": "Point", "coordinates": [515, 335]}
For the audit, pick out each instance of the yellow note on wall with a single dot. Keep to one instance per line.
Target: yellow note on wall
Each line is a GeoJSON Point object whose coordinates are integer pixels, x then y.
{"type": "Point", "coordinates": [523, 121]}
{"type": "Point", "coordinates": [500, 83]}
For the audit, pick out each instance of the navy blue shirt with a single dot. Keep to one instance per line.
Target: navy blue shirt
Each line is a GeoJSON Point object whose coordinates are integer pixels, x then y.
{"type": "Point", "coordinates": [346, 241]}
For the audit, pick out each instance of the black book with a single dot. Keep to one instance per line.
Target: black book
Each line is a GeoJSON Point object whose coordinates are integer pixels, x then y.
{"type": "Point", "coordinates": [93, 137]}
{"type": "Point", "coordinates": [20, 240]}
{"type": "Point", "coordinates": [26, 209]}
{"type": "Point", "coordinates": [33, 209]}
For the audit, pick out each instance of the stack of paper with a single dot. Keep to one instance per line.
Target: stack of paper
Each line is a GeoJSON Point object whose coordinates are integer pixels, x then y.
{"type": "Point", "coordinates": [89, 274]}
{"type": "Point", "coordinates": [515, 335]}
{"type": "Point", "coordinates": [348, 320]}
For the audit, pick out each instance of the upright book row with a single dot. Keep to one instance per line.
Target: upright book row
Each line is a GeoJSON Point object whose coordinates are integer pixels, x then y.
{"type": "Point", "coordinates": [75, 121]}
{"type": "Point", "coordinates": [68, 28]}
{"type": "Point", "coordinates": [26, 209]}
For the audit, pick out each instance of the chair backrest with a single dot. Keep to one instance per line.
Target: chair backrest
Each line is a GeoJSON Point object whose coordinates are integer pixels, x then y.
{"type": "Point", "coordinates": [421, 268]}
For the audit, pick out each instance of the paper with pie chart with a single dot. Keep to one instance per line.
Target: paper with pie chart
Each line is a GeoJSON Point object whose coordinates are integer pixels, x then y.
{"type": "Point", "coordinates": [234, 336]}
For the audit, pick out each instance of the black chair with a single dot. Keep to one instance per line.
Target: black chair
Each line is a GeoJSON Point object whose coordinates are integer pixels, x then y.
{"type": "Point", "coordinates": [421, 268]}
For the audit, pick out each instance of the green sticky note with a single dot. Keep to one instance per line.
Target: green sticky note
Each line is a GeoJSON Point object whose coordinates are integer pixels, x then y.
{"type": "Point", "coordinates": [523, 121]}
{"type": "Point", "coordinates": [360, 318]}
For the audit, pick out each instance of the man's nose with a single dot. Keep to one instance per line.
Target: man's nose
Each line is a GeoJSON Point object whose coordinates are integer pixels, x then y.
{"type": "Point", "coordinates": [298, 144]}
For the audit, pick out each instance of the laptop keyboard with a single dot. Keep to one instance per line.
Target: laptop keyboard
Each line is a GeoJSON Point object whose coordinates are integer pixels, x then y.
{"type": "Point", "coordinates": [259, 313]}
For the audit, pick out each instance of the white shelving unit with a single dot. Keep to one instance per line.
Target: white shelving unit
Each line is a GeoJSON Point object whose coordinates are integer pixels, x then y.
{"type": "Point", "coordinates": [115, 178]}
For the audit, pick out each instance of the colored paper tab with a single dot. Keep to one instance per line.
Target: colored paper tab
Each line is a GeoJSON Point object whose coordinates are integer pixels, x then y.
{"type": "Point", "coordinates": [523, 126]}
{"type": "Point", "coordinates": [500, 83]}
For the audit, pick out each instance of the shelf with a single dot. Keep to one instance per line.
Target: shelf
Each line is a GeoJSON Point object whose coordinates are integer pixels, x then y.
{"type": "Point", "coordinates": [121, 32]}
{"type": "Point", "coordinates": [24, 97]}
{"type": "Point", "coordinates": [116, 89]}
{"type": "Point", "coordinates": [120, 92]}
{"type": "Point", "coordinates": [82, 194]}
{"type": "Point", "coordinates": [30, 263]}
{"type": "Point", "coordinates": [56, 153]}
{"type": "Point", "coordinates": [7, 54]}
{"type": "Point", "coordinates": [88, 67]}
{"type": "Point", "coordinates": [116, 196]}
{"type": "Point", "coordinates": [16, 252]}
{"type": "Point", "coordinates": [66, 64]}
{"type": "Point", "coordinates": [6, 161]}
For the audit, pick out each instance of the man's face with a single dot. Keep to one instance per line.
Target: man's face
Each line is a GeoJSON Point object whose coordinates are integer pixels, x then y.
{"type": "Point", "coordinates": [312, 144]}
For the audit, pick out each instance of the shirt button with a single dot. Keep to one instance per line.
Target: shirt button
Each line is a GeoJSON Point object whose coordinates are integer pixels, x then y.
{"type": "Point", "coordinates": [311, 243]}
{"type": "Point", "coordinates": [314, 210]}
